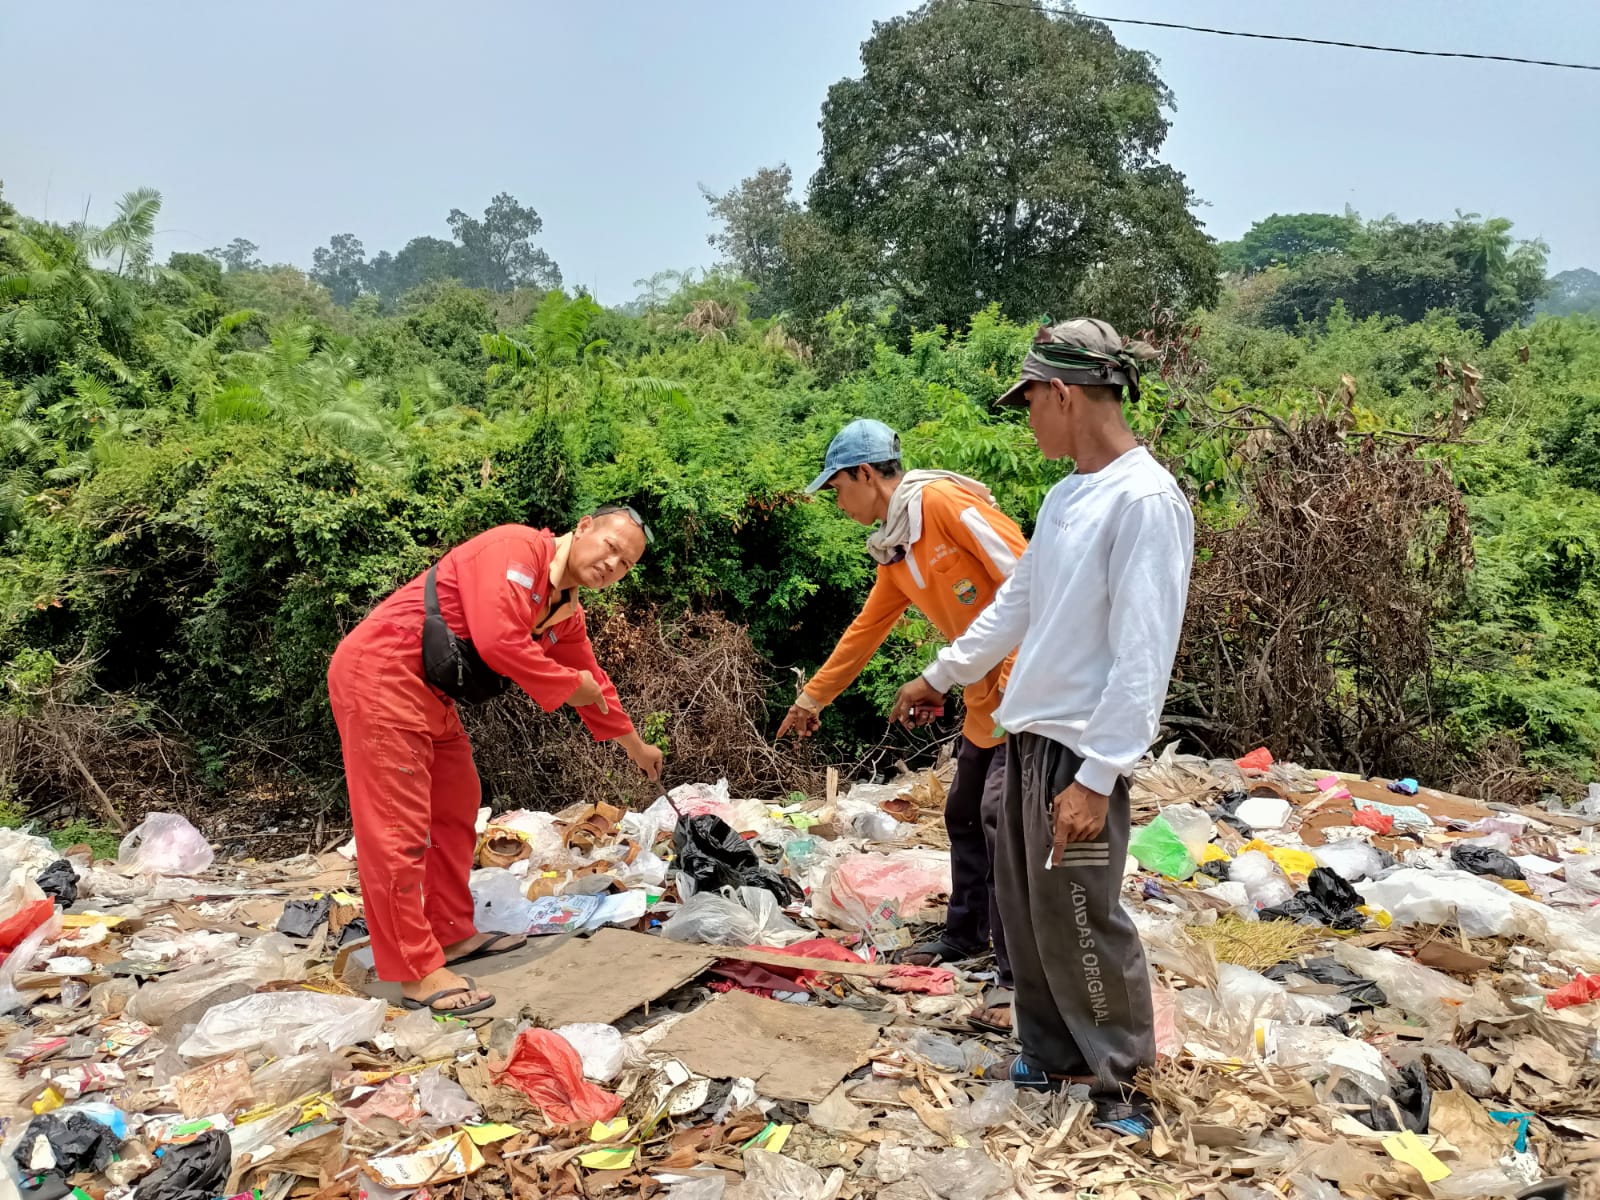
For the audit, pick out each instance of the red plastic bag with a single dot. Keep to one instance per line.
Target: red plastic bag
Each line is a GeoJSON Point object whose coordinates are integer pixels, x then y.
{"type": "Point", "coordinates": [1581, 990]}
{"type": "Point", "coordinates": [23, 922]}
{"type": "Point", "coordinates": [1259, 759]}
{"type": "Point", "coordinates": [1371, 818]}
{"type": "Point", "coordinates": [545, 1068]}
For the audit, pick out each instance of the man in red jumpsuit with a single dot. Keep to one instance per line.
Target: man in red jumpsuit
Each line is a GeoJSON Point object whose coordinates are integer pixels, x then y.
{"type": "Point", "coordinates": [512, 594]}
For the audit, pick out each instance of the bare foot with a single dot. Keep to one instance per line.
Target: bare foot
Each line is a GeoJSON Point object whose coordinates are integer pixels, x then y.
{"type": "Point", "coordinates": [999, 1016]}
{"type": "Point", "coordinates": [443, 980]}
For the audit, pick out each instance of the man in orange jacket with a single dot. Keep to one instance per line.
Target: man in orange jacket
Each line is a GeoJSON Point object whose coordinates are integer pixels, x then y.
{"type": "Point", "coordinates": [942, 545]}
{"type": "Point", "coordinates": [500, 608]}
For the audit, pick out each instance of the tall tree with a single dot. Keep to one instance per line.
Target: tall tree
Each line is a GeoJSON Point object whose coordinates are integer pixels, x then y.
{"type": "Point", "coordinates": [754, 216]}
{"type": "Point", "coordinates": [237, 255]}
{"type": "Point", "coordinates": [340, 266]}
{"type": "Point", "coordinates": [498, 251]}
{"type": "Point", "coordinates": [422, 260]}
{"type": "Point", "coordinates": [1287, 239]}
{"type": "Point", "coordinates": [1470, 267]}
{"type": "Point", "coordinates": [990, 153]}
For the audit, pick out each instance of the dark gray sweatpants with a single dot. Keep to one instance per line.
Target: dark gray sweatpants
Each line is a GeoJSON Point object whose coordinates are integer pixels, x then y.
{"type": "Point", "coordinates": [1083, 992]}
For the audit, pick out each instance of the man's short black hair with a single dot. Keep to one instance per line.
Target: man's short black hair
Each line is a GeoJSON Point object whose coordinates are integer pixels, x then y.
{"type": "Point", "coordinates": [889, 468]}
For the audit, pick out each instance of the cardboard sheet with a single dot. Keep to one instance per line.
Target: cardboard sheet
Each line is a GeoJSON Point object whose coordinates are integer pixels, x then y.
{"type": "Point", "coordinates": [792, 1051]}
{"type": "Point", "coordinates": [564, 980]}
{"type": "Point", "coordinates": [606, 976]}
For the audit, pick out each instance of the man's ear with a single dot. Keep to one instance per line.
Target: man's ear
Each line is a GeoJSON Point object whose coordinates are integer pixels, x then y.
{"type": "Point", "coordinates": [585, 523]}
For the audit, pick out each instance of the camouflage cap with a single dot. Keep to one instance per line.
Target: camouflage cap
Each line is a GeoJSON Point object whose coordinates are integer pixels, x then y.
{"type": "Point", "coordinates": [1084, 351]}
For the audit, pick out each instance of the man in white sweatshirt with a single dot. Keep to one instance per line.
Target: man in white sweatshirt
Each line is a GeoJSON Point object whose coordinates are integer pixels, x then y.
{"type": "Point", "coordinates": [1095, 608]}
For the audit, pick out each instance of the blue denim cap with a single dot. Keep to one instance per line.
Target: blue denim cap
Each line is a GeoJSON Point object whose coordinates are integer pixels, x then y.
{"type": "Point", "coordinates": [858, 443]}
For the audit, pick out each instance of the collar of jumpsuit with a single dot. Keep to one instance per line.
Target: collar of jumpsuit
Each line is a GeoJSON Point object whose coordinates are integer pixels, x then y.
{"type": "Point", "coordinates": [562, 603]}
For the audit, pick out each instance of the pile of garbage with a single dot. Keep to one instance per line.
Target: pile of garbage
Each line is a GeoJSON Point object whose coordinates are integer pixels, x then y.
{"type": "Point", "coordinates": [1363, 987]}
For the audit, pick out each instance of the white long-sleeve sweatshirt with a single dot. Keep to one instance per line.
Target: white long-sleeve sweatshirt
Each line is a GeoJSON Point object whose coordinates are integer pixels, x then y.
{"type": "Point", "coordinates": [1096, 605]}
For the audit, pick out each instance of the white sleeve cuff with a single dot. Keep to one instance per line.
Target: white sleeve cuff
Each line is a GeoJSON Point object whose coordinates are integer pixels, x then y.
{"type": "Point", "coordinates": [938, 677]}
{"type": "Point", "coordinates": [1098, 776]}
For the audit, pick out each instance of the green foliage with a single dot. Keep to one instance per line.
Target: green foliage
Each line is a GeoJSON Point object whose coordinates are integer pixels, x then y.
{"type": "Point", "coordinates": [101, 839]}
{"type": "Point", "coordinates": [1470, 268]}
{"type": "Point", "coordinates": [207, 476]}
{"type": "Point", "coordinates": [1287, 240]}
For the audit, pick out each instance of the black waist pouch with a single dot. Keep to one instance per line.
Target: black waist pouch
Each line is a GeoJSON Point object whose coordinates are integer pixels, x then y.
{"type": "Point", "coordinates": [449, 662]}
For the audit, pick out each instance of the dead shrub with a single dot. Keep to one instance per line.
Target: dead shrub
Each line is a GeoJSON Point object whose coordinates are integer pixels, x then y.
{"type": "Point", "coordinates": [67, 747]}
{"type": "Point", "coordinates": [1309, 621]}
{"type": "Point", "coordinates": [694, 678]}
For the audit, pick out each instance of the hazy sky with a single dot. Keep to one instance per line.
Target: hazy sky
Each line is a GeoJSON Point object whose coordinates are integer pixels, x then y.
{"type": "Point", "coordinates": [289, 122]}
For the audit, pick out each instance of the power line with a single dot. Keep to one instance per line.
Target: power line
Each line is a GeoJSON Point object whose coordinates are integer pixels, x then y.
{"type": "Point", "coordinates": [1284, 37]}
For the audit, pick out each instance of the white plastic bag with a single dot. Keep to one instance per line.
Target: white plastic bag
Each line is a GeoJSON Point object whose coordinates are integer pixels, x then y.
{"type": "Point", "coordinates": [1315, 1051]}
{"type": "Point", "coordinates": [1416, 897]}
{"type": "Point", "coordinates": [299, 1075]}
{"type": "Point", "coordinates": [1267, 885]}
{"type": "Point", "coordinates": [769, 1176]}
{"type": "Point", "coordinates": [1351, 860]}
{"type": "Point", "coordinates": [1194, 828]}
{"type": "Point", "coordinates": [714, 920]}
{"type": "Point", "coordinates": [418, 1035]}
{"type": "Point", "coordinates": [285, 1022]}
{"type": "Point", "coordinates": [445, 1101]}
{"type": "Point", "coordinates": [265, 960]}
{"type": "Point", "coordinates": [773, 928]}
{"type": "Point", "coordinates": [24, 852]}
{"type": "Point", "coordinates": [1429, 995]}
{"type": "Point", "coordinates": [599, 1046]}
{"type": "Point", "coordinates": [165, 844]}
{"type": "Point", "coordinates": [498, 903]}
{"type": "Point", "coordinates": [20, 959]}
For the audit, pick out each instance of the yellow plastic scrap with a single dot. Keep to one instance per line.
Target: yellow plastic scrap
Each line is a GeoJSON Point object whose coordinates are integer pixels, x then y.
{"type": "Point", "coordinates": [608, 1158]}
{"type": "Point", "coordinates": [1291, 862]}
{"type": "Point", "coordinates": [85, 920]}
{"type": "Point", "coordinates": [605, 1131]}
{"type": "Point", "coordinates": [1407, 1147]}
{"type": "Point", "coordinates": [1213, 853]}
{"type": "Point", "coordinates": [612, 1158]}
{"type": "Point", "coordinates": [487, 1135]}
{"type": "Point", "coordinates": [1516, 885]}
{"type": "Point", "coordinates": [1377, 915]}
{"type": "Point", "coordinates": [49, 1102]}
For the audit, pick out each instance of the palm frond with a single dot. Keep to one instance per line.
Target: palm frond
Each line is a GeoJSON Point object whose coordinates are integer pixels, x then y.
{"type": "Point", "coordinates": [508, 350]}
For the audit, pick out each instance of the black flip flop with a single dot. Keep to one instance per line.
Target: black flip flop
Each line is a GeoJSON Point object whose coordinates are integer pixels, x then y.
{"type": "Point", "coordinates": [490, 948]}
{"type": "Point", "coordinates": [427, 1002]}
{"type": "Point", "coordinates": [940, 950]}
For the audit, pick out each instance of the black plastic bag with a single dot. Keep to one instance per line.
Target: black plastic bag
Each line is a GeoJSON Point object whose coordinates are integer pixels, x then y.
{"type": "Point", "coordinates": [197, 1171]}
{"type": "Point", "coordinates": [1363, 992]}
{"type": "Point", "coordinates": [1327, 901]}
{"type": "Point", "coordinates": [354, 931]}
{"type": "Point", "coordinates": [60, 882]}
{"type": "Point", "coordinates": [301, 917]}
{"type": "Point", "coordinates": [713, 854]}
{"type": "Point", "coordinates": [1412, 1096]}
{"type": "Point", "coordinates": [79, 1143]}
{"type": "Point", "coordinates": [1217, 869]}
{"type": "Point", "coordinates": [1484, 860]}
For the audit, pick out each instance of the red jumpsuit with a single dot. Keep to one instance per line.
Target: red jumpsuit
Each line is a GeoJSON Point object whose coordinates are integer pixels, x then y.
{"type": "Point", "coordinates": [414, 793]}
